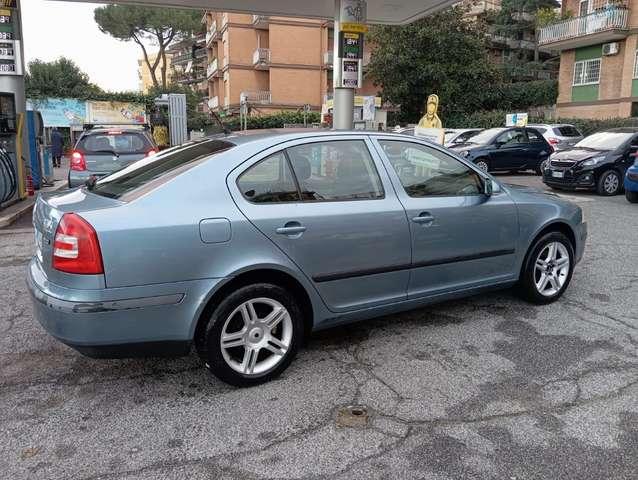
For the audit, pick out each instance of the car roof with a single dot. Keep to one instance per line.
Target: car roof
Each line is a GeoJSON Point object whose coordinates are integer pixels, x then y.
{"type": "Point", "coordinates": [102, 131]}
{"type": "Point", "coordinates": [622, 130]}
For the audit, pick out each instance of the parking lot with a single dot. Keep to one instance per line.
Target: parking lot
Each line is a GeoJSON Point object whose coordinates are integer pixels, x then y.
{"type": "Point", "coordinates": [486, 387]}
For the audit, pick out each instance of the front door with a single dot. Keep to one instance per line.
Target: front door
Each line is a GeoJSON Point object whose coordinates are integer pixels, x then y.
{"type": "Point", "coordinates": [328, 204]}
{"type": "Point", "coordinates": [511, 150]}
{"type": "Point", "coordinates": [461, 238]}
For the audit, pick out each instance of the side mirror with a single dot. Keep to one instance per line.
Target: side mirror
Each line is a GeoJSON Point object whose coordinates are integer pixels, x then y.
{"type": "Point", "coordinates": [498, 144]}
{"type": "Point", "coordinates": [488, 187]}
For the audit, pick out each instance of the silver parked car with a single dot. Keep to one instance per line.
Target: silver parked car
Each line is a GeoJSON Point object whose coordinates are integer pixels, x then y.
{"type": "Point", "coordinates": [560, 135]}
{"type": "Point", "coordinates": [104, 150]}
{"type": "Point", "coordinates": [242, 245]}
{"type": "Point", "coordinates": [457, 136]}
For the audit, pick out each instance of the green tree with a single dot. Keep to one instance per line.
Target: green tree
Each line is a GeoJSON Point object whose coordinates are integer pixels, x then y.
{"type": "Point", "coordinates": [61, 78]}
{"type": "Point", "coordinates": [444, 54]}
{"type": "Point", "coordinates": [149, 25]}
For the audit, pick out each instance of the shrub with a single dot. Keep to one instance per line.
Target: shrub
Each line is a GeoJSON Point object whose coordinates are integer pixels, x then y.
{"type": "Point", "coordinates": [277, 120]}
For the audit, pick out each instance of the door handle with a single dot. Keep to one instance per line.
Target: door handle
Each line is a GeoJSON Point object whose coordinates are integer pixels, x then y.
{"type": "Point", "coordinates": [291, 228]}
{"type": "Point", "coordinates": [424, 218]}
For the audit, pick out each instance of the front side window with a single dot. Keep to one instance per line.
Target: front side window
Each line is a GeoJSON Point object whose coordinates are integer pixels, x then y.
{"type": "Point", "coordinates": [269, 181]}
{"type": "Point", "coordinates": [587, 72]}
{"type": "Point", "coordinates": [424, 171]}
{"type": "Point", "coordinates": [534, 136]}
{"type": "Point", "coordinates": [511, 137]}
{"type": "Point", "coordinates": [335, 170]}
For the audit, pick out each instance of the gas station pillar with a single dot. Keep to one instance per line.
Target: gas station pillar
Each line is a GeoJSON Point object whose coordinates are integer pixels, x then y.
{"type": "Point", "coordinates": [349, 27]}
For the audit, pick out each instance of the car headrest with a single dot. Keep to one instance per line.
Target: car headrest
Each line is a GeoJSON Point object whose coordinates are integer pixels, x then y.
{"type": "Point", "coordinates": [302, 167]}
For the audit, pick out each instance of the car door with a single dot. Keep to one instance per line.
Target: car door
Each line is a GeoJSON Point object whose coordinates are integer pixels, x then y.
{"type": "Point", "coordinates": [461, 238]}
{"type": "Point", "coordinates": [510, 150]}
{"type": "Point", "coordinates": [538, 149]}
{"type": "Point", "coordinates": [328, 204]}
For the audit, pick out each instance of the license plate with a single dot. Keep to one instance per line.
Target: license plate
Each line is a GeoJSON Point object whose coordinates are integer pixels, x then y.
{"type": "Point", "coordinates": [38, 245]}
{"type": "Point", "coordinates": [558, 174]}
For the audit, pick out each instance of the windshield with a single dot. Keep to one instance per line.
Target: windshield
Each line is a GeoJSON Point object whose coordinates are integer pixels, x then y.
{"type": "Point", "coordinates": [115, 141]}
{"type": "Point", "coordinates": [604, 140]}
{"type": "Point", "coordinates": [486, 136]}
{"type": "Point", "coordinates": [153, 171]}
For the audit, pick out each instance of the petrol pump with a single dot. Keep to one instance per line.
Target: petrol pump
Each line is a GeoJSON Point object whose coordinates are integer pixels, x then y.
{"type": "Point", "coordinates": [13, 151]}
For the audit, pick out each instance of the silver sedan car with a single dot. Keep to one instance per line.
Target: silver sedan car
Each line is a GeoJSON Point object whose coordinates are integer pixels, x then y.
{"type": "Point", "coordinates": [242, 245]}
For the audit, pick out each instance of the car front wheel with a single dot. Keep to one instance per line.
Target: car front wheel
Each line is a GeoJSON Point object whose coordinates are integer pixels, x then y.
{"type": "Point", "coordinates": [482, 164]}
{"type": "Point", "coordinates": [609, 183]}
{"type": "Point", "coordinates": [548, 269]}
{"type": "Point", "coordinates": [253, 335]}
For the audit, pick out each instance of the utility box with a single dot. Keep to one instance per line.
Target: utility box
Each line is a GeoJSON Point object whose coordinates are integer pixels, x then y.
{"type": "Point", "coordinates": [177, 118]}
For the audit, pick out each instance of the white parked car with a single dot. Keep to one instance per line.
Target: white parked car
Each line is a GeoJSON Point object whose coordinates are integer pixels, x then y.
{"type": "Point", "coordinates": [559, 135]}
{"type": "Point", "coordinates": [454, 136]}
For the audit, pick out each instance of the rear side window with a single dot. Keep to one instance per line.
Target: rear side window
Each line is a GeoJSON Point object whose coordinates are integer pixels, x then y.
{"type": "Point", "coordinates": [269, 181]}
{"type": "Point", "coordinates": [335, 171]}
{"type": "Point", "coordinates": [567, 131]}
{"type": "Point", "coordinates": [154, 171]}
{"type": "Point", "coordinates": [541, 130]}
{"type": "Point", "coordinates": [534, 136]}
{"type": "Point", "coordinates": [118, 142]}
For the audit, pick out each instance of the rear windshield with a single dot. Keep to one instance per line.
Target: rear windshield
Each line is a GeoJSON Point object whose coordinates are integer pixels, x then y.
{"type": "Point", "coordinates": [118, 142]}
{"type": "Point", "coordinates": [567, 131]}
{"type": "Point", "coordinates": [151, 172]}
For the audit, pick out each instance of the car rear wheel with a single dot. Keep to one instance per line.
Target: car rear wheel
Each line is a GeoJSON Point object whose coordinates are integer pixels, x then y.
{"type": "Point", "coordinates": [548, 269]}
{"type": "Point", "coordinates": [253, 335]}
{"type": "Point", "coordinates": [631, 196]}
{"type": "Point", "coordinates": [609, 183]}
{"type": "Point", "coordinates": [482, 164]}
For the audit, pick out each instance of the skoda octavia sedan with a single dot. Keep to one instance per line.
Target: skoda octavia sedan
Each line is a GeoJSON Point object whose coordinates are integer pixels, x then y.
{"type": "Point", "coordinates": [242, 245]}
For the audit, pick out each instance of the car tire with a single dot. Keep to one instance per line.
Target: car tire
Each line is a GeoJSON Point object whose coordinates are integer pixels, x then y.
{"type": "Point", "coordinates": [483, 164]}
{"type": "Point", "coordinates": [249, 357]}
{"type": "Point", "coordinates": [632, 197]}
{"type": "Point", "coordinates": [548, 269]}
{"type": "Point", "coordinates": [541, 167]}
{"type": "Point", "coordinates": [609, 183]}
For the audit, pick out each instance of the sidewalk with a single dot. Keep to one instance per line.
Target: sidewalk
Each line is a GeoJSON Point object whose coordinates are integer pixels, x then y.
{"type": "Point", "coordinates": [24, 207]}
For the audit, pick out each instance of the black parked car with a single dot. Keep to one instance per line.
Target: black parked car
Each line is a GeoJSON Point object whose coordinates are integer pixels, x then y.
{"type": "Point", "coordinates": [512, 149]}
{"type": "Point", "coordinates": [597, 162]}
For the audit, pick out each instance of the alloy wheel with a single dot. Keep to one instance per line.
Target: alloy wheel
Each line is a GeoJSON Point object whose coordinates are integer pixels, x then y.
{"type": "Point", "coordinates": [482, 165]}
{"type": "Point", "coordinates": [611, 183]}
{"type": "Point", "coordinates": [551, 269]}
{"type": "Point", "coordinates": [256, 336]}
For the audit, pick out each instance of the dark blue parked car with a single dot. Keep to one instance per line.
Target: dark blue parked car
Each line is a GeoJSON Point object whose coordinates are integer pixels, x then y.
{"type": "Point", "coordinates": [512, 149]}
{"type": "Point", "coordinates": [631, 183]}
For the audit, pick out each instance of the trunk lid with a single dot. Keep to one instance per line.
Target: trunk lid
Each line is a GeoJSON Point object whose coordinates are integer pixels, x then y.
{"type": "Point", "coordinates": [47, 212]}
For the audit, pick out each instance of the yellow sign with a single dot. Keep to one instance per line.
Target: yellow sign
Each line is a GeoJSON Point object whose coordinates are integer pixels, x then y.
{"type": "Point", "coordinates": [358, 102]}
{"type": "Point", "coordinates": [354, 27]}
{"type": "Point", "coordinates": [116, 112]}
{"type": "Point", "coordinates": [431, 119]}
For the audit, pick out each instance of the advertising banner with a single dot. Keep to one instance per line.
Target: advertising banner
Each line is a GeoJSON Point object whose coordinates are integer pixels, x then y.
{"type": "Point", "coordinates": [115, 112]}
{"type": "Point", "coordinates": [59, 112]}
{"type": "Point", "coordinates": [516, 120]}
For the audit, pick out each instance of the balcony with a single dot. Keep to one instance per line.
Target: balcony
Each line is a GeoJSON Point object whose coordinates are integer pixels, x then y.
{"type": "Point", "coordinates": [213, 103]}
{"type": "Point", "coordinates": [603, 25]}
{"type": "Point", "coordinates": [212, 70]}
{"type": "Point", "coordinates": [513, 43]}
{"type": "Point", "coordinates": [261, 59]}
{"type": "Point", "coordinates": [260, 97]}
{"type": "Point", "coordinates": [260, 22]}
{"type": "Point", "coordinates": [328, 59]}
{"type": "Point", "coordinates": [212, 34]}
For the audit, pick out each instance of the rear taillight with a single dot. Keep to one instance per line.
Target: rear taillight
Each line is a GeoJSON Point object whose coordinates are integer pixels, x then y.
{"type": "Point", "coordinates": [76, 248]}
{"type": "Point", "coordinates": [150, 153]}
{"type": "Point", "coordinates": [77, 161]}
{"type": "Point", "coordinates": [553, 141]}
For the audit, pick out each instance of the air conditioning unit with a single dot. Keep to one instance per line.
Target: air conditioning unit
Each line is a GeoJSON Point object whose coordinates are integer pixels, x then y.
{"type": "Point", "coordinates": [610, 48]}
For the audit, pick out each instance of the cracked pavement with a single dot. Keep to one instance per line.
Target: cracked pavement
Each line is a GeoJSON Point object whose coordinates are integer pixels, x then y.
{"type": "Point", "coordinates": [483, 388]}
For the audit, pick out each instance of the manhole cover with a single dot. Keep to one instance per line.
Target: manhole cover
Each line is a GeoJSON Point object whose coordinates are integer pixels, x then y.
{"type": "Point", "coordinates": [353, 416]}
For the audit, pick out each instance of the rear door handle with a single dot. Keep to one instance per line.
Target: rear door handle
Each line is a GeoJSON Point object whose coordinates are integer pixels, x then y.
{"type": "Point", "coordinates": [424, 218]}
{"type": "Point", "coordinates": [291, 228]}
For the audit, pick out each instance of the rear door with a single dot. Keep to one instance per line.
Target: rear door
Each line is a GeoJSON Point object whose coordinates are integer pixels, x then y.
{"type": "Point", "coordinates": [538, 148]}
{"type": "Point", "coordinates": [337, 217]}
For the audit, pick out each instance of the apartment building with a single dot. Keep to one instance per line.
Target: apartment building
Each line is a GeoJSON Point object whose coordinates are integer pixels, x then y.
{"type": "Point", "coordinates": [144, 74]}
{"type": "Point", "coordinates": [598, 58]}
{"type": "Point", "coordinates": [276, 63]}
{"type": "Point", "coordinates": [189, 60]}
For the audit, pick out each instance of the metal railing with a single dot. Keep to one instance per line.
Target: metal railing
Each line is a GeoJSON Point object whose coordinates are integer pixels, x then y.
{"type": "Point", "coordinates": [212, 70]}
{"type": "Point", "coordinates": [212, 33]}
{"type": "Point", "coordinates": [610, 18]}
{"type": "Point", "coordinates": [261, 57]}
{"type": "Point", "coordinates": [262, 97]}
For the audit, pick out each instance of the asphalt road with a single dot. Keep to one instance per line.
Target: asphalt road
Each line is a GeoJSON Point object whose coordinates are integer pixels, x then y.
{"type": "Point", "coordinates": [484, 388]}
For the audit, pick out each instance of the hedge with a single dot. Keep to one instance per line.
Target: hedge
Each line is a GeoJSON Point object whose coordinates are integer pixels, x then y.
{"type": "Point", "coordinates": [276, 120]}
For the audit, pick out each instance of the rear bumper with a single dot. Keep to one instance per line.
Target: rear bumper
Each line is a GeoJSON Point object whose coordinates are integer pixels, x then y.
{"type": "Point", "coordinates": [151, 320]}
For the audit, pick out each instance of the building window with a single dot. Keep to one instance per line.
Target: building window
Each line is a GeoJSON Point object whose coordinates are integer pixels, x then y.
{"type": "Point", "coordinates": [636, 64]}
{"type": "Point", "coordinates": [587, 72]}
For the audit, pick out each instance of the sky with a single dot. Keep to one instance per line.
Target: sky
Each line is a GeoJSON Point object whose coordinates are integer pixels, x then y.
{"type": "Point", "coordinates": [52, 29]}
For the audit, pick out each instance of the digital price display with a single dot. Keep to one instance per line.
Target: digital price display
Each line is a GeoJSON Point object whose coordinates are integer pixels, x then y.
{"type": "Point", "coordinates": [7, 38]}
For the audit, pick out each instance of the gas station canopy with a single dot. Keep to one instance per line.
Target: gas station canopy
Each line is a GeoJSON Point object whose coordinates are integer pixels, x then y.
{"type": "Point", "coordinates": [392, 12]}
